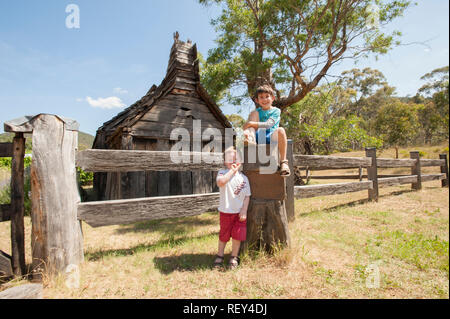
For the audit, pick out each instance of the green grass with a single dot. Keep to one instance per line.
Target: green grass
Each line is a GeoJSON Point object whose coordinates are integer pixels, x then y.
{"type": "Point", "coordinates": [413, 248]}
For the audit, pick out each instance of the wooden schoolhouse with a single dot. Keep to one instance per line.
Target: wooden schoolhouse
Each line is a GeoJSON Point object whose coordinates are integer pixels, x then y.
{"type": "Point", "coordinates": [147, 124]}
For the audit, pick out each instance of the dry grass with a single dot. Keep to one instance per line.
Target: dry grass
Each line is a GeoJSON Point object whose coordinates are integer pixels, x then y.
{"type": "Point", "coordinates": [334, 239]}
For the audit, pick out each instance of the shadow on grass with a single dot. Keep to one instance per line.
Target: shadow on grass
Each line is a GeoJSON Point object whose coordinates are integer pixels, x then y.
{"type": "Point", "coordinates": [356, 202]}
{"type": "Point", "coordinates": [171, 225]}
{"type": "Point", "coordinates": [184, 262]}
{"type": "Point", "coordinates": [161, 244]}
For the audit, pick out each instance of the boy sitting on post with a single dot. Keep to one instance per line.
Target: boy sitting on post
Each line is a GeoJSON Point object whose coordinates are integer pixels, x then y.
{"type": "Point", "coordinates": [266, 120]}
{"type": "Point", "coordinates": [234, 199]}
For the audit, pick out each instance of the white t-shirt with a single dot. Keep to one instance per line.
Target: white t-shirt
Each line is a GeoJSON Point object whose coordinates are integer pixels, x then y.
{"type": "Point", "coordinates": [233, 193]}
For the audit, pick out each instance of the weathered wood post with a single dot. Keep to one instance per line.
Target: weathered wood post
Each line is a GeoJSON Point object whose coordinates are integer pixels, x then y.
{"type": "Point", "coordinates": [415, 170]}
{"type": "Point", "coordinates": [267, 224]}
{"type": "Point", "coordinates": [372, 173]}
{"type": "Point", "coordinates": [290, 183]}
{"type": "Point", "coordinates": [17, 206]}
{"type": "Point", "coordinates": [444, 170]}
{"type": "Point", "coordinates": [56, 240]}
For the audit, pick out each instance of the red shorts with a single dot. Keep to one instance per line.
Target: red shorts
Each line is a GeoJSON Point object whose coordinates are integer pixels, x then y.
{"type": "Point", "coordinates": [231, 226]}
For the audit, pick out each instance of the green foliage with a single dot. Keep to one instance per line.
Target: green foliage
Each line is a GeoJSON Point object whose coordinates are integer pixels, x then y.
{"type": "Point", "coordinates": [6, 162]}
{"type": "Point", "coordinates": [397, 123]}
{"type": "Point", "coordinates": [84, 178]}
{"type": "Point", "coordinates": [276, 41]}
{"type": "Point", "coordinates": [317, 119]}
{"type": "Point", "coordinates": [236, 120]}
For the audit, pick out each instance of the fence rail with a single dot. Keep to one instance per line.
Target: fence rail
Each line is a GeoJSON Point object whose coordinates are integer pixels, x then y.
{"type": "Point", "coordinates": [321, 162]}
{"type": "Point", "coordinates": [135, 161]}
{"type": "Point", "coordinates": [126, 211]}
{"type": "Point", "coordinates": [331, 189]}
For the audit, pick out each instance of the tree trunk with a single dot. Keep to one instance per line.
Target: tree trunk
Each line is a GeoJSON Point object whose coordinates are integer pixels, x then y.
{"type": "Point", "coordinates": [267, 223]}
{"type": "Point", "coordinates": [267, 226]}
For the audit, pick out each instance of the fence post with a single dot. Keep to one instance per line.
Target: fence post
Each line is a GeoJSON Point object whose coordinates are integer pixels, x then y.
{"type": "Point", "coordinates": [444, 169]}
{"type": "Point", "coordinates": [415, 170]}
{"type": "Point", "coordinates": [56, 239]}
{"type": "Point", "coordinates": [17, 206]}
{"type": "Point", "coordinates": [290, 181]}
{"type": "Point", "coordinates": [372, 173]}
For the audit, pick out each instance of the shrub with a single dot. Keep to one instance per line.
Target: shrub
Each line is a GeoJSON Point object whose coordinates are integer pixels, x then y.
{"type": "Point", "coordinates": [6, 162]}
{"type": "Point", "coordinates": [84, 178]}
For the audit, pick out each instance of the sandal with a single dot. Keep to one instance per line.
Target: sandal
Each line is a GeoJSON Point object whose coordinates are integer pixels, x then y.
{"type": "Point", "coordinates": [234, 262]}
{"type": "Point", "coordinates": [218, 262]}
{"type": "Point", "coordinates": [284, 169]}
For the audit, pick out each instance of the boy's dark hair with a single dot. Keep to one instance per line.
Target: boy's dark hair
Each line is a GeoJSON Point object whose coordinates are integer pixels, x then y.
{"type": "Point", "coordinates": [264, 89]}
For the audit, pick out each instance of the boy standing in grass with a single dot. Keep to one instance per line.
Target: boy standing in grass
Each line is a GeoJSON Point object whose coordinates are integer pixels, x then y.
{"type": "Point", "coordinates": [266, 120]}
{"type": "Point", "coordinates": [234, 199]}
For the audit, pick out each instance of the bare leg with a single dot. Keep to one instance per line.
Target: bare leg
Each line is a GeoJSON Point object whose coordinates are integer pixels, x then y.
{"type": "Point", "coordinates": [222, 246]}
{"type": "Point", "coordinates": [235, 245]}
{"type": "Point", "coordinates": [280, 136]}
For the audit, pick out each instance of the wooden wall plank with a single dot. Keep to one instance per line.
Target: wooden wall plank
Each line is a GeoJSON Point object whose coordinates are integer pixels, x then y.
{"type": "Point", "coordinates": [5, 212]}
{"type": "Point", "coordinates": [163, 176]}
{"type": "Point", "coordinates": [6, 149]}
{"type": "Point", "coordinates": [151, 177]}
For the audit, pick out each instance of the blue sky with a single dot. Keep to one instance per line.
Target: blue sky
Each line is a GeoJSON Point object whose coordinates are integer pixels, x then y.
{"type": "Point", "coordinates": [122, 48]}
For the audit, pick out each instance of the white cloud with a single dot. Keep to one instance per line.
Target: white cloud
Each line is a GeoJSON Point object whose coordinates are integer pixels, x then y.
{"type": "Point", "coordinates": [120, 91]}
{"type": "Point", "coordinates": [105, 103]}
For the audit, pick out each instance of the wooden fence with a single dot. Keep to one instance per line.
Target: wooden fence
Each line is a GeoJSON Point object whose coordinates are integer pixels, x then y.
{"type": "Point", "coordinates": [374, 181]}
{"type": "Point", "coordinates": [15, 264]}
{"type": "Point", "coordinates": [57, 210]}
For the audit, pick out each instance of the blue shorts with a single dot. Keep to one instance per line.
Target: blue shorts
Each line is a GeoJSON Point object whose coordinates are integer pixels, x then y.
{"type": "Point", "coordinates": [265, 140]}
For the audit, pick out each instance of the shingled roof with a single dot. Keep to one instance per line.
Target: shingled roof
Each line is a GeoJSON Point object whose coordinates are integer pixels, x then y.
{"type": "Point", "coordinates": [182, 74]}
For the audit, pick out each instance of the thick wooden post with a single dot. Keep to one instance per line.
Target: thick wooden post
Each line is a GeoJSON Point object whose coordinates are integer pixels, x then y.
{"type": "Point", "coordinates": [415, 170]}
{"type": "Point", "coordinates": [56, 233]}
{"type": "Point", "coordinates": [372, 173]}
{"type": "Point", "coordinates": [290, 183]}
{"type": "Point", "coordinates": [444, 170]}
{"type": "Point", "coordinates": [267, 222]}
{"type": "Point", "coordinates": [17, 206]}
